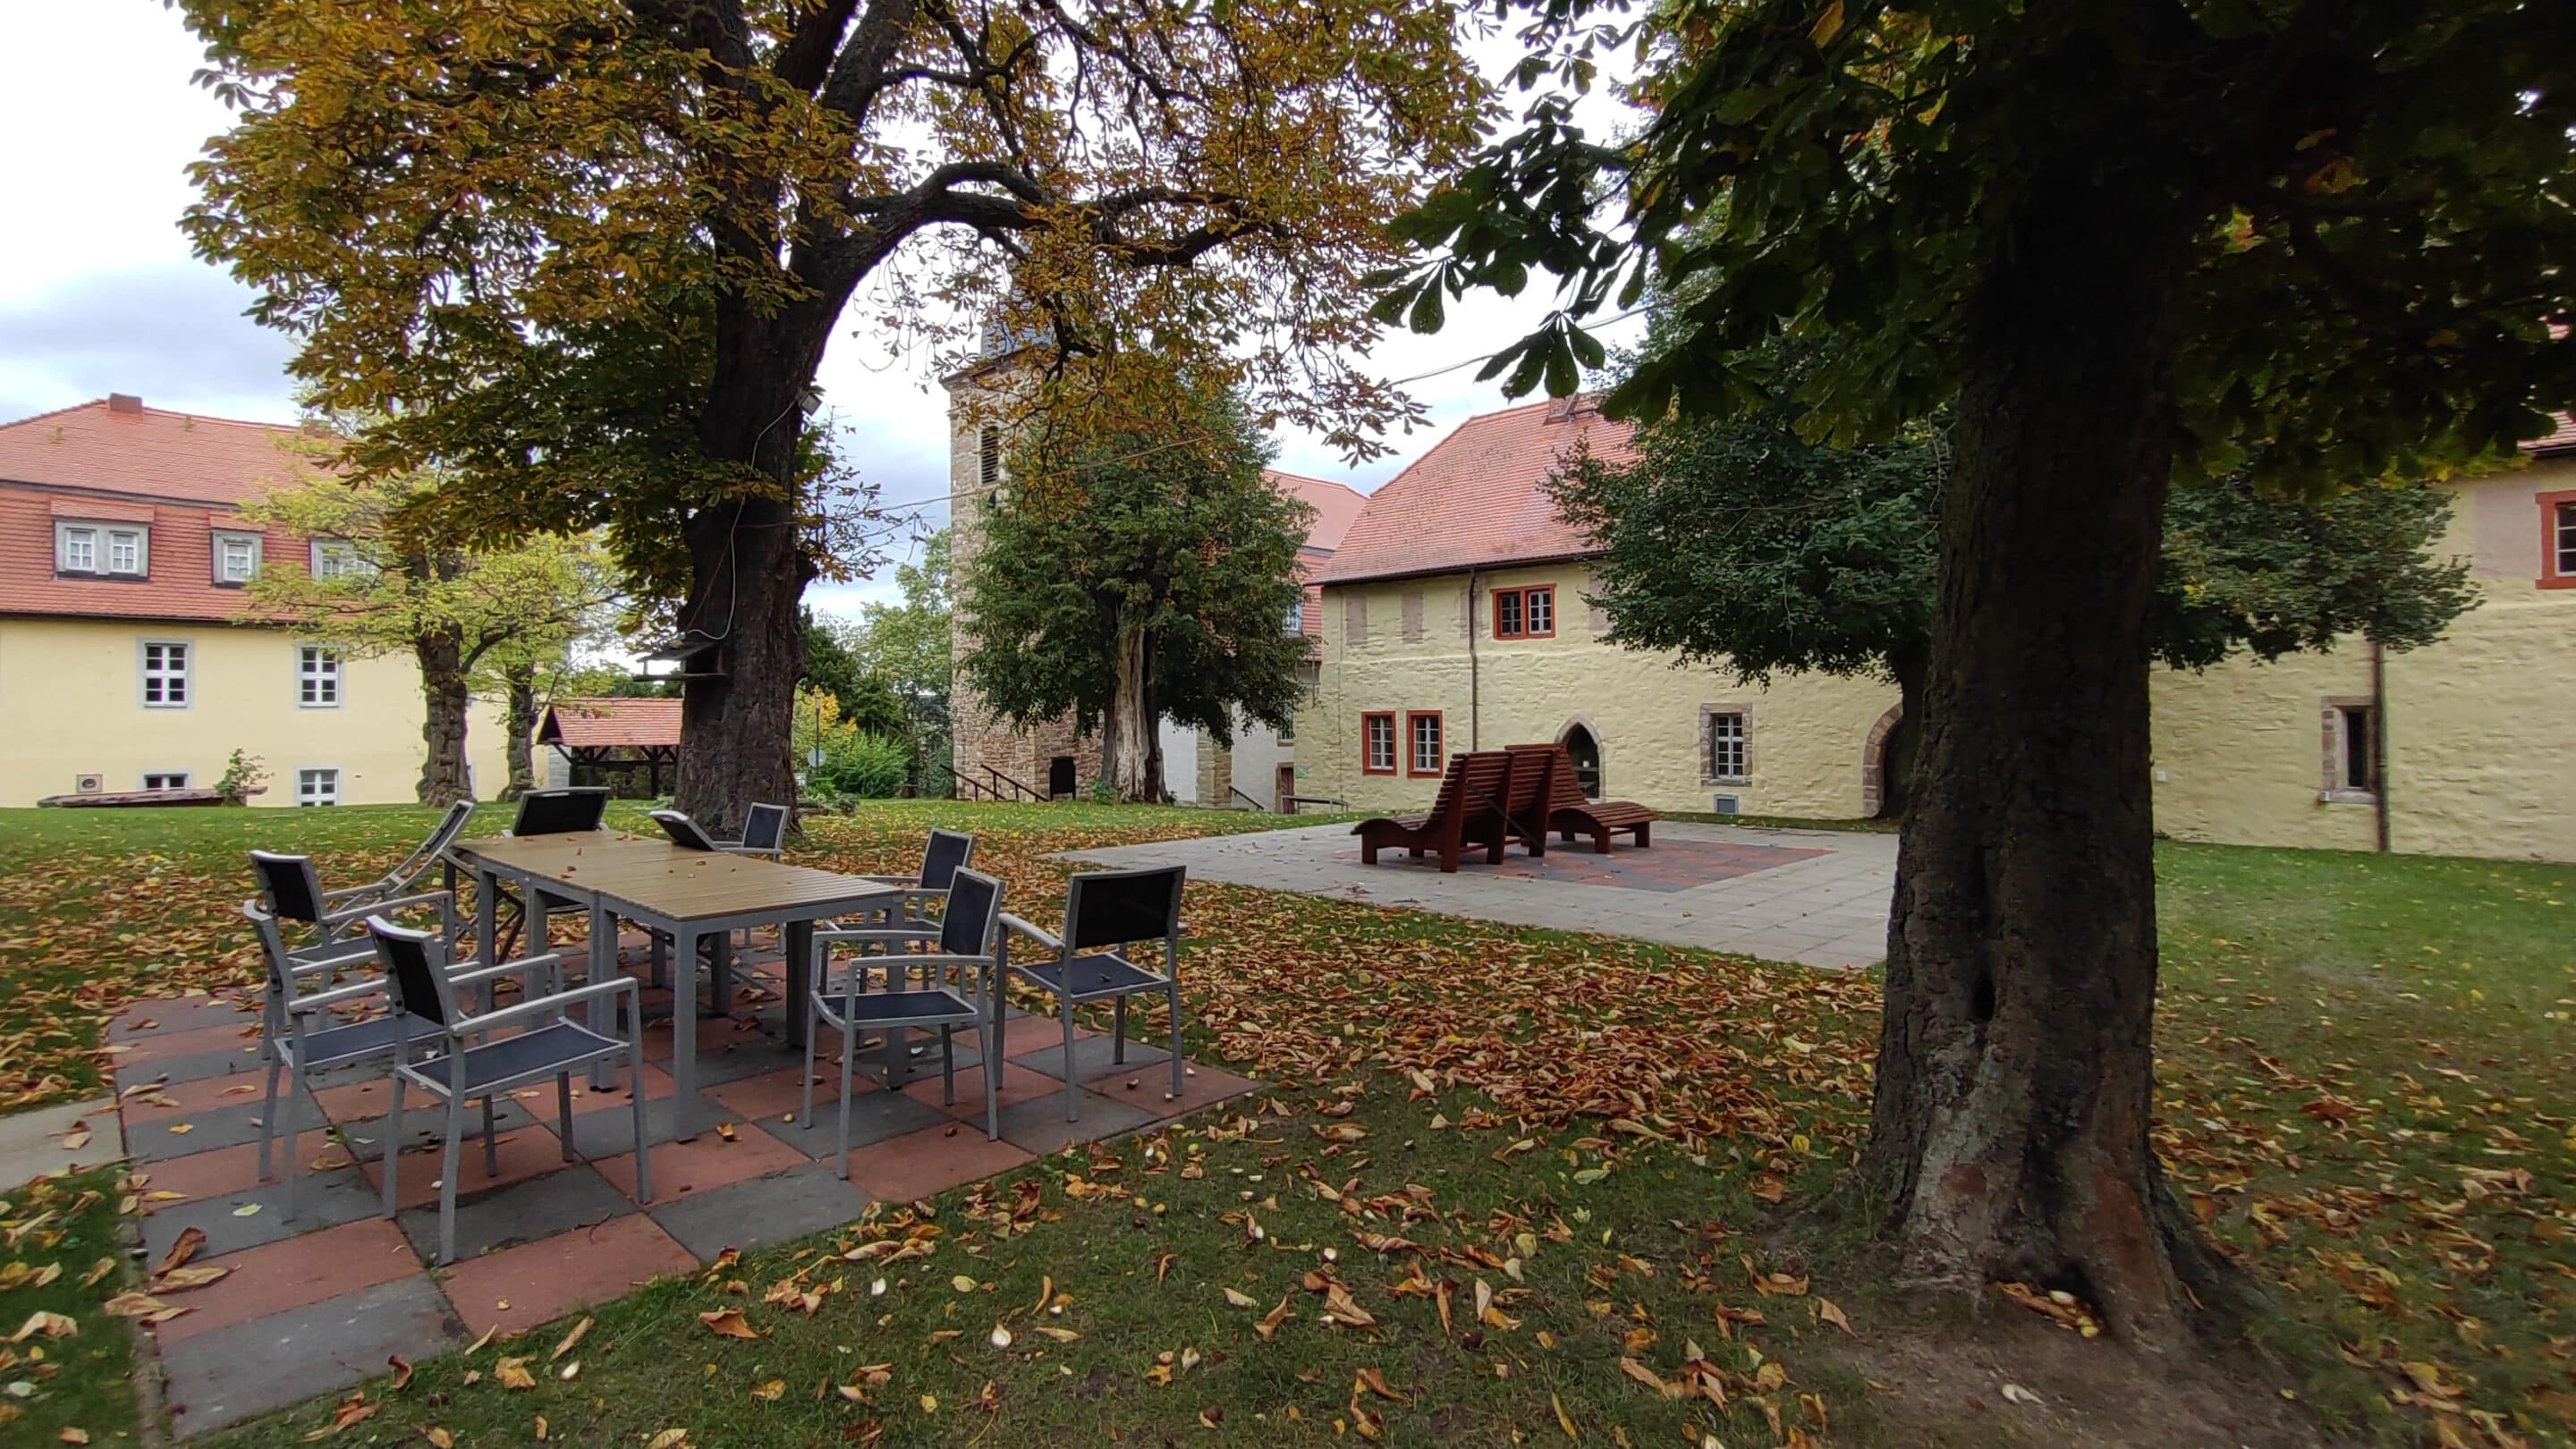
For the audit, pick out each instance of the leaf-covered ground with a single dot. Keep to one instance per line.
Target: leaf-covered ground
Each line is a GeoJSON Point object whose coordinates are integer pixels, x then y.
{"type": "Point", "coordinates": [1512, 1186]}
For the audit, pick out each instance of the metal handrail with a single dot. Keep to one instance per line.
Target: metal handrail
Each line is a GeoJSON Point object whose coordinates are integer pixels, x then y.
{"type": "Point", "coordinates": [1237, 792]}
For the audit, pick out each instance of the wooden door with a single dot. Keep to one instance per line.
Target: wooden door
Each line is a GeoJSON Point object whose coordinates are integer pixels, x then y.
{"type": "Point", "coordinates": [1287, 789]}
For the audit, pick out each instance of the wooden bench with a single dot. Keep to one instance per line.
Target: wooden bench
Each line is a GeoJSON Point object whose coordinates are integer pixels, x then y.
{"type": "Point", "coordinates": [1528, 798]}
{"type": "Point", "coordinates": [1467, 811]}
{"type": "Point", "coordinates": [1571, 815]}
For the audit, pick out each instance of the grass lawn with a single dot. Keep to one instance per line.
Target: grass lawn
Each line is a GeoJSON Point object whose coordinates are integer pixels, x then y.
{"type": "Point", "coordinates": [64, 1376]}
{"type": "Point", "coordinates": [1511, 1186]}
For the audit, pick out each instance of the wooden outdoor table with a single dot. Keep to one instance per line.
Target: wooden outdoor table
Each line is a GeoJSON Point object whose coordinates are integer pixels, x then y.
{"type": "Point", "coordinates": [686, 895]}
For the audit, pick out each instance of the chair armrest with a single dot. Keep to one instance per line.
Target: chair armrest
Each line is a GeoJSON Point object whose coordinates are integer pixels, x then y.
{"type": "Point", "coordinates": [361, 954]}
{"type": "Point", "coordinates": [877, 933]}
{"type": "Point", "coordinates": [371, 888]}
{"type": "Point", "coordinates": [545, 1005]}
{"type": "Point", "coordinates": [472, 973]}
{"type": "Point", "coordinates": [326, 999]}
{"type": "Point", "coordinates": [1012, 923]}
{"type": "Point", "coordinates": [396, 903]}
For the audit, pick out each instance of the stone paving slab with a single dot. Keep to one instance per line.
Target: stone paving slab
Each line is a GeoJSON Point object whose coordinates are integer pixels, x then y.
{"type": "Point", "coordinates": [38, 1143]}
{"type": "Point", "coordinates": [1816, 897]}
{"type": "Point", "coordinates": [316, 1302]}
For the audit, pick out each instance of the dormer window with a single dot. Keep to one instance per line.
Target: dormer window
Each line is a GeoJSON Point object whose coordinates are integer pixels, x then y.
{"type": "Point", "coordinates": [101, 550]}
{"type": "Point", "coordinates": [236, 556]}
{"type": "Point", "coordinates": [334, 558]}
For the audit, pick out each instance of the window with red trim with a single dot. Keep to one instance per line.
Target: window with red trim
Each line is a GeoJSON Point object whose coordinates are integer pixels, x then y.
{"type": "Point", "coordinates": [1528, 613]}
{"type": "Point", "coordinates": [2558, 539]}
{"type": "Point", "coordinates": [1422, 754]}
{"type": "Point", "coordinates": [1377, 744]}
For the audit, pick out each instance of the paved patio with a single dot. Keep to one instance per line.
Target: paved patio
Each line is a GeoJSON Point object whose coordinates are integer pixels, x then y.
{"type": "Point", "coordinates": [318, 1303]}
{"type": "Point", "coordinates": [1818, 897]}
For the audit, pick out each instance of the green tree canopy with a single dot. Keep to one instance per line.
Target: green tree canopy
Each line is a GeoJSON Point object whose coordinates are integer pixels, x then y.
{"type": "Point", "coordinates": [495, 621]}
{"type": "Point", "coordinates": [591, 252]}
{"type": "Point", "coordinates": [865, 697]}
{"type": "Point", "coordinates": [1127, 576]}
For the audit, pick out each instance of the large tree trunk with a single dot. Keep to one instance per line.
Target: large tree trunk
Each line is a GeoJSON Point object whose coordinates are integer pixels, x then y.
{"type": "Point", "coordinates": [444, 700]}
{"type": "Point", "coordinates": [748, 570]}
{"type": "Point", "coordinates": [1129, 760]}
{"type": "Point", "coordinates": [522, 680]}
{"type": "Point", "coordinates": [1911, 665]}
{"type": "Point", "coordinates": [2015, 1069]}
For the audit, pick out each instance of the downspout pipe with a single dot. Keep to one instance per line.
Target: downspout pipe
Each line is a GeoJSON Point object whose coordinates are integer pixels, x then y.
{"type": "Point", "coordinates": [2379, 740]}
{"type": "Point", "coordinates": [1475, 698]}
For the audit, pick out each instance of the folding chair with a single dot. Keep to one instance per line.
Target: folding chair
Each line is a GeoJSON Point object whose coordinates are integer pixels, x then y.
{"type": "Point", "coordinates": [398, 880]}
{"type": "Point", "coordinates": [966, 937]}
{"type": "Point", "coordinates": [459, 1069]}
{"type": "Point", "coordinates": [300, 1029]}
{"type": "Point", "coordinates": [1106, 908]}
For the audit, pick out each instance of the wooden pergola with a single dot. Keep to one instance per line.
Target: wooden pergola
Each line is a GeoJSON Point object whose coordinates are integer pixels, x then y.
{"type": "Point", "coordinates": [615, 734]}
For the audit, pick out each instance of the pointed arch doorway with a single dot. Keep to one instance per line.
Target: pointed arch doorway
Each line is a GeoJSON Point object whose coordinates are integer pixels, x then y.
{"type": "Point", "coordinates": [1583, 749]}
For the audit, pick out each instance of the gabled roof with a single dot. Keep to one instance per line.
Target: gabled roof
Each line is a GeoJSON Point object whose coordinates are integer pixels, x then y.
{"type": "Point", "coordinates": [607, 723]}
{"type": "Point", "coordinates": [120, 446]}
{"type": "Point", "coordinates": [2561, 439]}
{"type": "Point", "coordinates": [1335, 505]}
{"type": "Point", "coordinates": [1478, 499]}
{"type": "Point", "coordinates": [117, 461]}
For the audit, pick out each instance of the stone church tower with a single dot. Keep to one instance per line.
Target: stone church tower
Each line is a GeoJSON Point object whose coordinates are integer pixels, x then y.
{"type": "Point", "coordinates": [992, 759]}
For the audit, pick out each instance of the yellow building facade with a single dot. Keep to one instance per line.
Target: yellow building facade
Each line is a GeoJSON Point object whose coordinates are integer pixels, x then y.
{"type": "Point", "coordinates": [123, 666]}
{"type": "Point", "coordinates": [1430, 646]}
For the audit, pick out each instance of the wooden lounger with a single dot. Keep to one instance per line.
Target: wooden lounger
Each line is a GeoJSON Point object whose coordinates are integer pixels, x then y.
{"type": "Point", "coordinates": [1570, 815]}
{"type": "Point", "coordinates": [1467, 811]}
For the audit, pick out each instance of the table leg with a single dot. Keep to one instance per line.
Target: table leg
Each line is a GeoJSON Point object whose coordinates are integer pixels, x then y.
{"type": "Point", "coordinates": [487, 925]}
{"type": "Point", "coordinates": [796, 946]}
{"type": "Point", "coordinates": [603, 965]}
{"type": "Point", "coordinates": [684, 1033]}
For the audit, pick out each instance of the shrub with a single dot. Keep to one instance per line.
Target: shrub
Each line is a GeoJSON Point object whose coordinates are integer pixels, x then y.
{"type": "Point", "coordinates": [865, 765]}
{"type": "Point", "coordinates": [243, 775]}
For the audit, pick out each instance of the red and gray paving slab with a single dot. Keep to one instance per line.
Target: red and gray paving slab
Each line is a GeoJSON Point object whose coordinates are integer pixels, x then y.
{"type": "Point", "coordinates": [1816, 897]}
{"type": "Point", "coordinates": [319, 1301]}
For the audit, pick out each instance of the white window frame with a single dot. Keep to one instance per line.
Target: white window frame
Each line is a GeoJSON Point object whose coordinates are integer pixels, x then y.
{"type": "Point", "coordinates": [146, 673]}
{"type": "Point", "coordinates": [1732, 725]}
{"type": "Point", "coordinates": [1369, 722]}
{"type": "Point", "coordinates": [224, 539]}
{"type": "Point", "coordinates": [1416, 762]}
{"type": "Point", "coordinates": [2563, 539]}
{"type": "Point", "coordinates": [84, 535]}
{"type": "Point", "coordinates": [149, 776]}
{"type": "Point", "coordinates": [335, 558]}
{"type": "Point", "coordinates": [302, 772]}
{"type": "Point", "coordinates": [101, 538]}
{"type": "Point", "coordinates": [320, 671]}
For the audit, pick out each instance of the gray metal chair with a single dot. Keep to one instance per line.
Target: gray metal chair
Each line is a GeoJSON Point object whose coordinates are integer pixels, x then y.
{"type": "Point", "coordinates": [967, 938]}
{"type": "Point", "coordinates": [764, 833]}
{"type": "Point", "coordinates": [291, 890]}
{"type": "Point", "coordinates": [302, 1028]}
{"type": "Point", "coordinates": [458, 1069]}
{"type": "Point", "coordinates": [1112, 909]}
{"type": "Point", "coordinates": [568, 810]}
{"type": "Point", "coordinates": [942, 856]}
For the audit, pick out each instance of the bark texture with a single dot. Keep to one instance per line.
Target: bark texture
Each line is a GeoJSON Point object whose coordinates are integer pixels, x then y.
{"type": "Point", "coordinates": [2010, 1121]}
{"type": "Point", "coordinates": [444, 700]}
{"type": "Point", "coordinates": [522, 680]}
{"type": "Point", "coordinates": [1131, 754]}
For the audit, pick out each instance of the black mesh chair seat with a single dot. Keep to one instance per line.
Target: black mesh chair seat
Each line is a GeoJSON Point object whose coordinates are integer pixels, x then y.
{"type": "Point", "coordinates": [539, 1053]}
{"type": "Point", "coordinates": [913, 1007]}
{"type": "Point", "coordinates": [376, 1036]}
{"type": "Point", "coordinates": [1084, 977]}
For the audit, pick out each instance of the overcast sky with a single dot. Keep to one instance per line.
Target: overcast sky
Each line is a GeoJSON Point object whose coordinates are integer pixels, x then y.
{"type": "Point", "coordinates": [99, 293]}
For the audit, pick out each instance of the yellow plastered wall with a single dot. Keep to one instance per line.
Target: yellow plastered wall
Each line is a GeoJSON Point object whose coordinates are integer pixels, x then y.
{"type": "Point", "coordinates": [71, 703]}
{"type": "Point", "coordinates": [1807, 733]}
{"type": "Point", "coordinates": [2481, 726]}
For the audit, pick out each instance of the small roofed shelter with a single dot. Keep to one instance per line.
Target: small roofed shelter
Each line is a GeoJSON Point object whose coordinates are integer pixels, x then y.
{"type": "Point", "coordinates": [622, 736]}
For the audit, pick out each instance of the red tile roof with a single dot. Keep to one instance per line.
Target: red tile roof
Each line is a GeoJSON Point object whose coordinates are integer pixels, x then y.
{"type": "Point", "coordinates": [1335, 505]}
{"type": "Point", "coordinates": [610, 723]}
{"type": "Point", "coordinates": [2561, 438]}
{"type": "Point", "coordinates": [115, 460]}
{"type": "Point", "coordinates": [1477, 497]}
